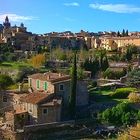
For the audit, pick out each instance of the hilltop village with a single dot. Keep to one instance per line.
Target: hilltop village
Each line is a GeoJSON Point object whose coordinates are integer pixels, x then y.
{"type": "Point", "coordinates": [68, 85]}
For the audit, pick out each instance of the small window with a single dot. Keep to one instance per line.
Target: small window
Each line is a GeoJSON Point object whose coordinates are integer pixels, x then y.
{"type": "Point", "coordinates": [38, 84]}
{"type": "Point", "coordinates": [4, 99]}
{"type": "Point", "coordinates": [61, 87]}
{"type": "Point", "coordinates": [45, 111]}
{"type": "Point", "coordinates": [30, 82]}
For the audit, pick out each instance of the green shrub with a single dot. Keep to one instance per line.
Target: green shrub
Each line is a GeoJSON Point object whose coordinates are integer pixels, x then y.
{"type": "Point", "coordinates": [93, 83]}
{"type": "Point", "coordinates": [107, 87]}
{"type": "Point", "coordinates": [111, 74]}
{"type": "Point", "coordinates": [122, 93]}
{"type": "Point", "coordinates": [5, 81]}
{"type": "Point", "coordinates": [122, 114]}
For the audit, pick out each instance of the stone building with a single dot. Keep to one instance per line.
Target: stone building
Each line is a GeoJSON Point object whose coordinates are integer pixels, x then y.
{"type": "Point", "coordinates": [17, 36]}
{"type": "Point", "coordinates": [50, 95]}
{"type": "Point", "coordinates": [51, 83]}
{"type": "Point", "coordinates": [16, 119]}
{"type": "Point", "coordinates": [120, 43]}
{"type": "Point", "coordinates": [42, 108]}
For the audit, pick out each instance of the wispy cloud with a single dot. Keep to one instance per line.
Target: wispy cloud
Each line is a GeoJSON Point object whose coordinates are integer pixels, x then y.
{"type": "Point", "coordinates": [69, 19]}
{"type": "Point", "coordinates": [117, 8]}
{"type": "Point", "coordinates": [72, 4]}
{"type": "Point", "coordinates": [17, 18]}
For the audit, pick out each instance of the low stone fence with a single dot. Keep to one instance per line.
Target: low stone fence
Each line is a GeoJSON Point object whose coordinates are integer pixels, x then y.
{"type": "Point", "coordinates": [36, 127]}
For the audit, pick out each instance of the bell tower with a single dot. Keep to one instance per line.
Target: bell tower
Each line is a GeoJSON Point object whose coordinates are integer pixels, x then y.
{"type": "Point", "coordinates": [6, 24]}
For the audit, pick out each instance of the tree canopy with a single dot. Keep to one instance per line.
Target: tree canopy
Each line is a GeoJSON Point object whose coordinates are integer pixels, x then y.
{"type": "Point", "coordinates": [5, 81]}
{"type": "Point", "coordinates": [134, 78]}
{"type": "Point", "coordinates": [37, 60]}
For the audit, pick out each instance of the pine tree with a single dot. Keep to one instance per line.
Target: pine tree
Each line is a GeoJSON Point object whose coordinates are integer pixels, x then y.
{"type": "Point", "coordinates": [126, 34]}
{"type": "Point", "coordinates": [118, 34]}
{"type": "Point", "coordinates": [123, 33]}
{"type": "Point", "coordinates": [72, 101]}
{"type": "Point", "coordinates": [129, 54]}
{"type": "Point", "coordinates": [105, 64]}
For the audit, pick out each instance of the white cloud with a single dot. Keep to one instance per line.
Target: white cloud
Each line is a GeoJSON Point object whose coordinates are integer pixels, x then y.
{"type": "Point", "coordinates": [72, 4]}
{"type": "Point", "coordinates": [16, 18]}
{"type": "Point", "coordinates": [117, 8]}
{"type": "Point", "coordinates": [69, 19]}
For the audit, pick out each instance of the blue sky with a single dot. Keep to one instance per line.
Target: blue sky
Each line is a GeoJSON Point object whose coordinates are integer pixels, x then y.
{"type": "Point", "coordinates": [41, 16]}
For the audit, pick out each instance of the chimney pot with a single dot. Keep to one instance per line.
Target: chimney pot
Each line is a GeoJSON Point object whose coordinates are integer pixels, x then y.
{"type": "Point", "coordinates": [55, 102]}
{"type": "Point", "coordinates": [48, 77]}
{"type": "Point", "coordinates": [60, 74]}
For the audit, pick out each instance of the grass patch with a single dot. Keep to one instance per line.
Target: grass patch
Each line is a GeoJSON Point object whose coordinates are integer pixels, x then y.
{"type": "Point", "coordinates": [122, 93]}
{"type": "Point", "coordinates": [13, 87]}
{"type": "Point", "coordinates": [14, 65]}
{"type": "Point", "coordinates": [105, 95]}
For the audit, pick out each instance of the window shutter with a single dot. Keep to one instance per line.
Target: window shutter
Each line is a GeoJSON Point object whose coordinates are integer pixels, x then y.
{"type": "Point", "coordinates": [45, 86]}
{"type": "Point", "coordinates": [38, 85]}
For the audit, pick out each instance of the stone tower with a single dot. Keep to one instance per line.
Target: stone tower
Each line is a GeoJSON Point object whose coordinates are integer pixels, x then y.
{"type": "Point", "coordinates": [6, 24]}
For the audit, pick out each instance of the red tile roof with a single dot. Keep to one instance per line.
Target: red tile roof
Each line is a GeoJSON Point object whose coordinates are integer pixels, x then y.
{"type": "Point", "coordinates": [51, 77]}
{"type": "Point", "coordinates": [35, 98]}
{"type": "Point", "coordinates": [53, 102]}
{"type": "Point", "coordinates": [19, 110]}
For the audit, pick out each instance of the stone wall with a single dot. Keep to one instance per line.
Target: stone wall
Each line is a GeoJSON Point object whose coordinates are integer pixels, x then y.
{"type": "Point", "coordinates": [34, 128]}
{"type": "Point", "coordinates": [53, 114]}
{"type": "Point", "coordinates": [82, 93]}
{"type": "Point", "coordinates": [65, 93]}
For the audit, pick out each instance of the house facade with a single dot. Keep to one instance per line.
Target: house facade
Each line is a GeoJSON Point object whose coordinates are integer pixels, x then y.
{"type": "Point", "coordinates": [49, 97]}
{"type": "Point", "coordinates": [42, 108]}
{"type": "Point", "coordinates": [49, 83]}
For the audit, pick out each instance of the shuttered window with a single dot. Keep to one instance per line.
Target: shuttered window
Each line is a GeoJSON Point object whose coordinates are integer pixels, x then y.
{"type": "Point", "coordinates": [38, 84]}
{"type": "Point", "coordinates": [45, 86]}
{"type": "Point", "coordinates": [30, 82]}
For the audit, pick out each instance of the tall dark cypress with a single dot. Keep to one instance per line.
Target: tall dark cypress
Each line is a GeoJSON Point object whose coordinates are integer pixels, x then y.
{"type": "Point", "coordinates": [123, 33]}
{"type": "Point", "coordinates": [72, 101]}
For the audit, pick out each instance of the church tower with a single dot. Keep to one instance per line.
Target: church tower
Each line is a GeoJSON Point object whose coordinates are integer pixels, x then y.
{"type": "Point", "coordinates": [6, 24]}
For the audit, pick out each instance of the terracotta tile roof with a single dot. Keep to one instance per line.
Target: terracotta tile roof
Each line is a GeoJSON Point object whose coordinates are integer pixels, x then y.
{"type": "Point", "coordinates": [53, 102]}
{"type": "Point", "coordinates": [19, 110]}
{"type": "Point", "coordinates": [51, 77]}
{"type": "Point", "coordinates": [35, 98]}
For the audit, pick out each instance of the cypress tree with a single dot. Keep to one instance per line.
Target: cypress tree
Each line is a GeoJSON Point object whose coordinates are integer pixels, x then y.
{"type": "Point", "coordinates": [129, 54]}
{"type": "Point", "coordinates": [118, 34]}
{"type": "Point", "coordinates": [126, 33]}
{"type": "Point", "coordinates": [105, 64]}
{"type": "Point", "coordinates": [72, 100]}
{"type": "Point", "coordinates": [123, 33]}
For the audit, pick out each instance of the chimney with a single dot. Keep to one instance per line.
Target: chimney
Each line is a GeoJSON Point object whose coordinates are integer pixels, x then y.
{"type": "Point", "coordinates": [20, 86]}
{"type": "Point", "coordinates": [14, 111]}
{"type": "Point", "coordinates": [55, 102]}
{"type": "Point", "coordinates": [60, 74]}
{"type": "Point", "coordinates": [48, 77]}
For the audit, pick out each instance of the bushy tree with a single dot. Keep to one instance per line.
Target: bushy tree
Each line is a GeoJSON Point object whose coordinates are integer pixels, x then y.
{"type": "Point", "coordinates": [92, 65]}
{"type": "Point", "coordinates": [112, 74]}
{"type": "Point", "coordinates": [37, 60]}
{"type": "Point", "coordinates": [5, 81]}
{"type": "Point", "coordinates": [134, 78]}
{"type": "Point", "coordinates": [122, 114]}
